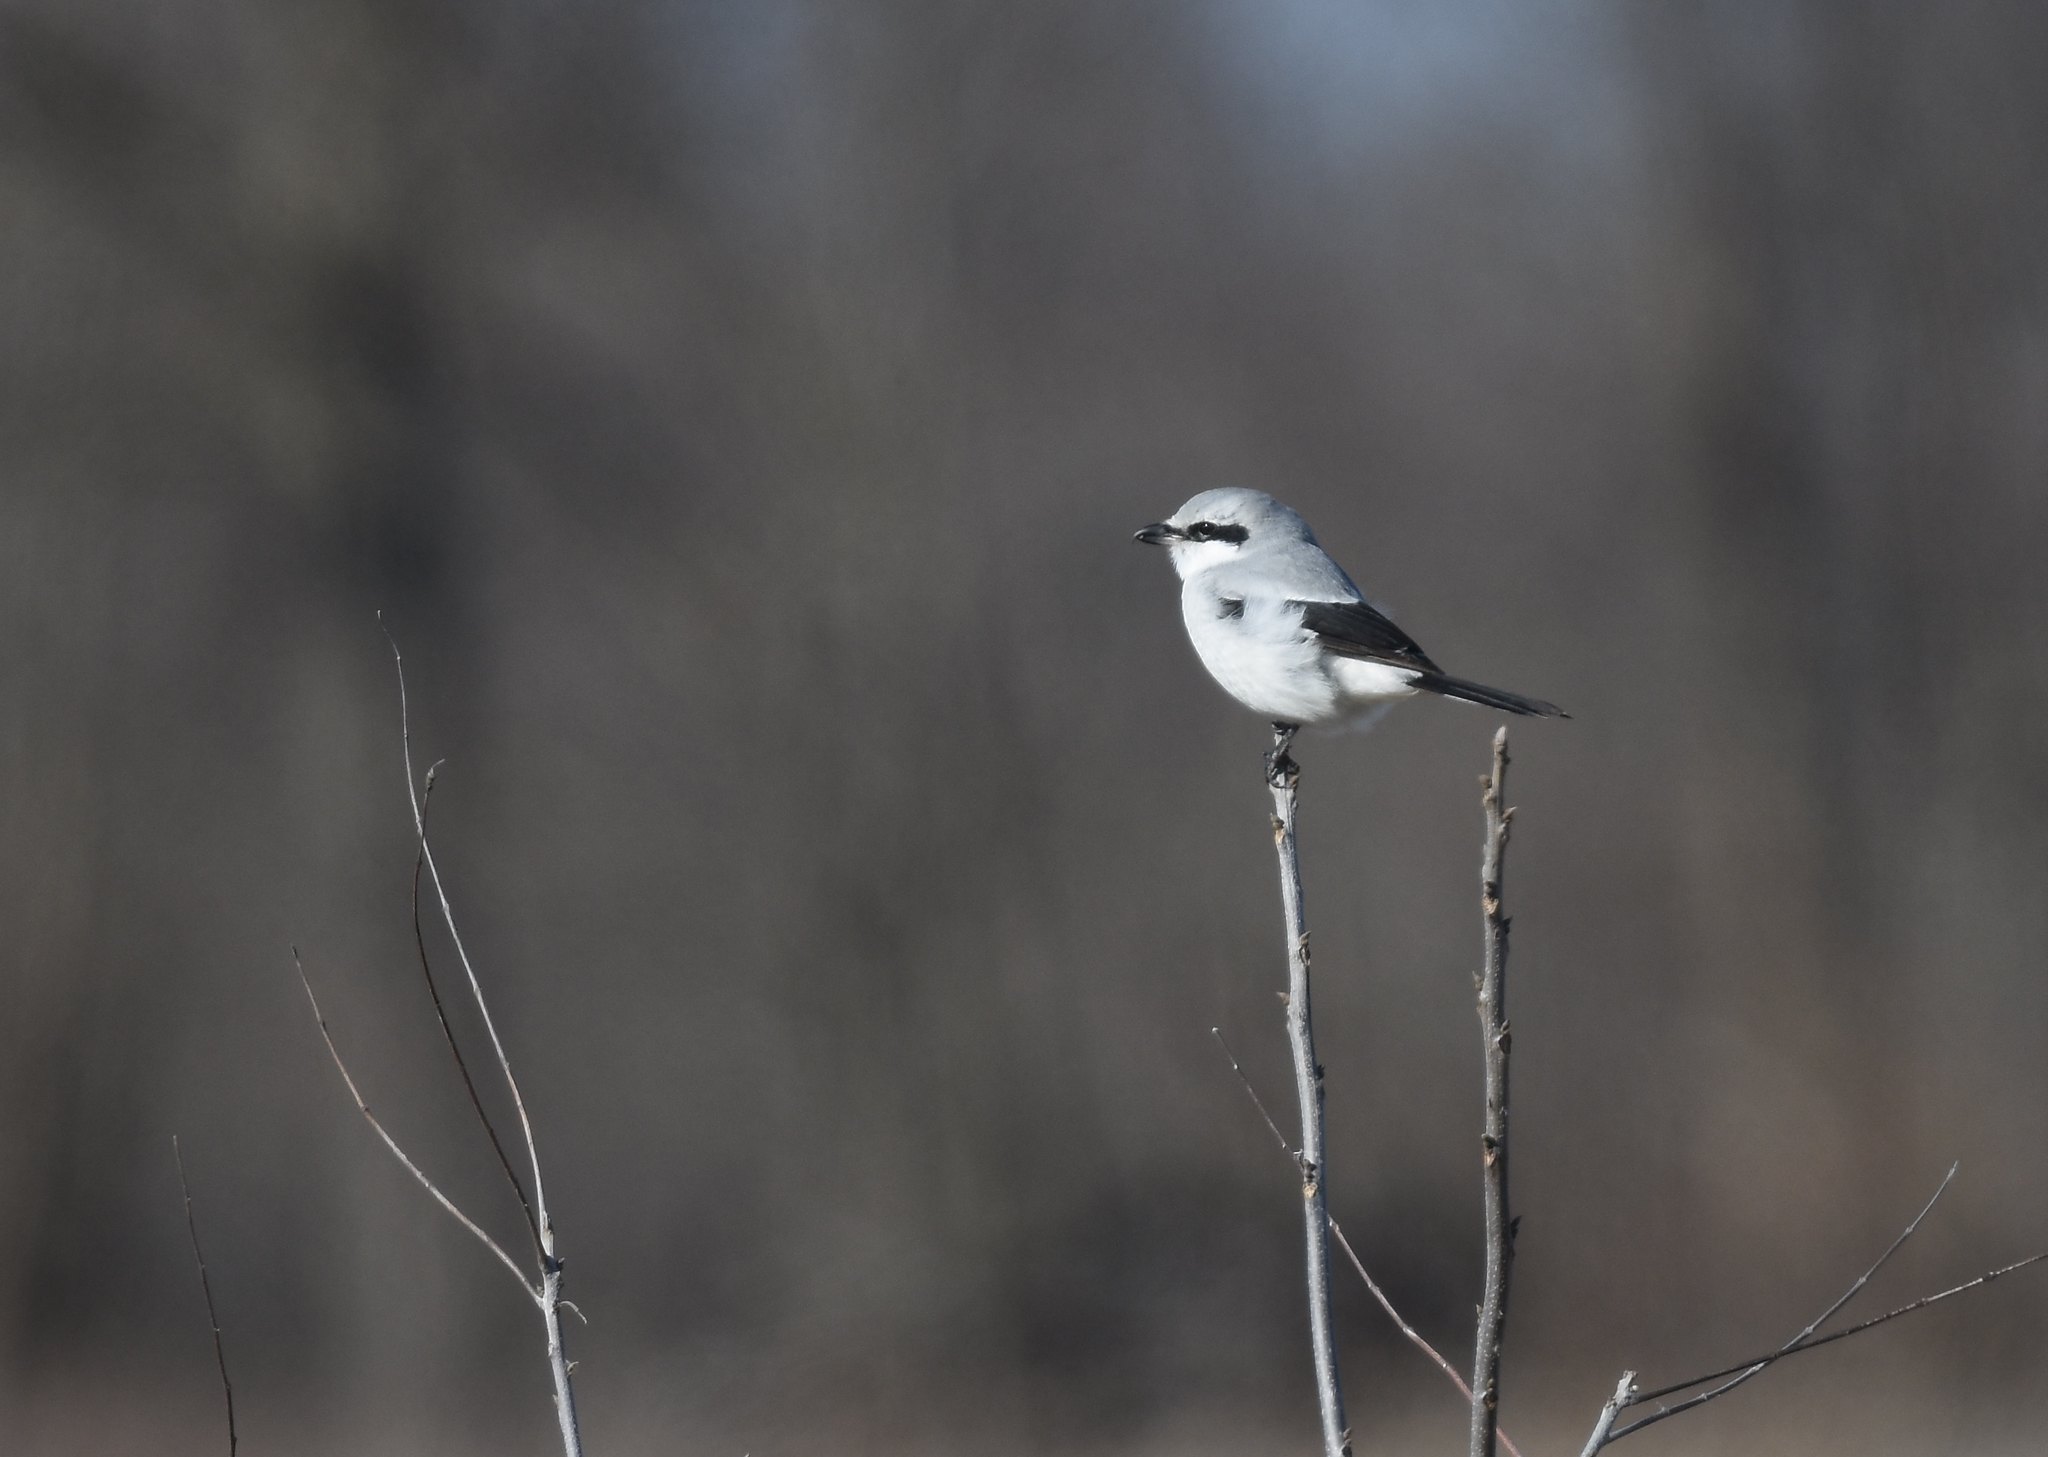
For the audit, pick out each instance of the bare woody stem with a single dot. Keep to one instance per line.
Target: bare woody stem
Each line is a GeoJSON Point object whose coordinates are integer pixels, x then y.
{"type": "Point", "coordinates": [1414, 1337]}
{"type": "Point", "coordinates": [426, 853]}
{"type": "Point", "coordinates": [377, 1127]}
{"type": "Point", "coordinates": [1815, 1342]}
{"type": "Point", "coordinates": [559, 1364]}
{"type": "Point", "coordinates": [1624, 1392]}
{"type": "Point", "coordinates": [546, 1289]}
{"type": "Point", "coordinates": [1627, 1394]}
{"type": "Point", "coordinates": [1493, 1142]}
{"type": "Point", "coordinates": [220, 1355]}
{"type": "Point", "coordinates": [1755, 1368]}
{"type": "Point", "coordinates": [476, 1103]}
{"type": "Point", "coordinates": [1282, 775]}
{"type": "Point", "coordinates": [549, 1294]}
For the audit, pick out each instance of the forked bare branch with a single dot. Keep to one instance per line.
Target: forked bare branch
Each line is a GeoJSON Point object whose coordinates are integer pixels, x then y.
{"type": "Point", "coordinates": [1605, 1432]}
{"type": "Point", "coordinates": [1816, 1342]}
{"type": "Point", "coordinates": [1751, 1369]}
{"type": "Point", "coordinates": [419, 941]}
{"type": "Point", "coordinates": [419, 1175]}
{"type": "Point", "coordinates": [549, 1294]}
{"type": "Point", "coordinates": [1623, 1390]}
{"type": "Point", "coordinates": [220, 1355]}
{"type": "Point", "coordinates": [426, 851]}
{"type": "Point", "coordinates": [1414, 1337]}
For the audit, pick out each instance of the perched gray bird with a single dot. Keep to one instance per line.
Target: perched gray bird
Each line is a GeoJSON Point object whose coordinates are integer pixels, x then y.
{"type": "Point", "coordinates": [1281, 627]}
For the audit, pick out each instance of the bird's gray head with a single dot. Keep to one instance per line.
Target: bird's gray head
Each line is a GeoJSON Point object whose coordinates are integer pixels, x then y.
{"type": "Point", "coordinates": [1218, 526]}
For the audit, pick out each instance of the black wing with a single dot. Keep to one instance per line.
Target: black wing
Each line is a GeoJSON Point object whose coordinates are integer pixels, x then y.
{"type": "Point", "coordinates": [1357, 630]}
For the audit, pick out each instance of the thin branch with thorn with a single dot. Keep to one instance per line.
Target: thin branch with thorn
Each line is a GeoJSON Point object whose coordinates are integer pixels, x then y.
{"type": "Point", "coordinates": [1282, 777]}
{"type": "Point", "coordinates": [220, 1355]}
{"type": "Point", "coordinates": [1414, 1337]}
{"type": "Point", "coordinates": [1493, 1139]}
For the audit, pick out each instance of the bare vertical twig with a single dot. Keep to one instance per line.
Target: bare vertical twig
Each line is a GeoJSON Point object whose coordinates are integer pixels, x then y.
{"type": "Point", "coordinates": [550, 1292]}
{"type": "Point", "coordinates": [426, 850]}
{"type": "Point", "coordinates": [1282, 776]}
{"type": "Point", "coordinates": [419, 941]}
{"type": "Point", "coordinates": [1493, 1026]}
{"type": "Point", "coordinates": [220, 1355]}
{"type": "Point", "coordinates": [546, 1290]}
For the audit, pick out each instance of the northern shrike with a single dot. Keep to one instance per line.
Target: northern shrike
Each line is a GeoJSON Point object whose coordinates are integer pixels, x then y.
{"type": "Point", "coordinates": [1280, 626]}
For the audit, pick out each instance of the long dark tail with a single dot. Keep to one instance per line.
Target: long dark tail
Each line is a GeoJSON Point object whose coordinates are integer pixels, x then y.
{"type": "Point", "coordinates": [1490, 697]}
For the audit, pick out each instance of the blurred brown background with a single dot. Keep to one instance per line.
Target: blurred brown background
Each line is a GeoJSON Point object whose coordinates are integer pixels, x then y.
{"type": "Point", "coordinates": [740, 412]}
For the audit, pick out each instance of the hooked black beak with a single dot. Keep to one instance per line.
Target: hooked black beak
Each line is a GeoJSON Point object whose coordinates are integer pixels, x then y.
{"type": "Point", "coordinates": [1159, 533]}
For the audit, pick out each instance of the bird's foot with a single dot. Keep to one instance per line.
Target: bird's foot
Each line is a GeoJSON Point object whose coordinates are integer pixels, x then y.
{"type": "Point", "coordinates": [1281, 770]}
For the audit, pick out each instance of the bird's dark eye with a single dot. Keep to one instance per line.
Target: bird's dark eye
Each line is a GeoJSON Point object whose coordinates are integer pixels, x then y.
{"type": "Point", "coordinates": [1202, 531]}
{"type": "Point", "coordinates": [1210, 531]}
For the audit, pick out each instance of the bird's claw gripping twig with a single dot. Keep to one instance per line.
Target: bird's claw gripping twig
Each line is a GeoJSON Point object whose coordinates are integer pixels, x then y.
{"type": "Point", "coordinates": [1281, 769]}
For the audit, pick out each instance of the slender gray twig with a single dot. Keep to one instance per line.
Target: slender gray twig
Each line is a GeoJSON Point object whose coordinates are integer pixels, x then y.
{"type": "Point", "coordinates": [1252, 1092]}
{"type": "Point", "coordinates": [220, 1355]}
{"type": "Point", "coordinates": [398, 1153]}
{"type": "Point", "coordinates": [1815, 1343]}
{"type": "Point", "coordinates": [476, 990]}
{"type": "Point", "coordinates": [419, 941]}
{"type": "Point", "coordinates": [1282, 776]}
{"type": "Point", "coordinates": [1493, 1139]}
{"type": "Point", "coordinates": [549, 1294]}
{"type": "Point", "coordinates": [1755, 1368]}
{"type": "Point", "coordinates": [1863, 1325]}
{"type": "Point", "coordinates": [1605, 1432]}
{"type": "Point", "coordinates": [1415, 1337]}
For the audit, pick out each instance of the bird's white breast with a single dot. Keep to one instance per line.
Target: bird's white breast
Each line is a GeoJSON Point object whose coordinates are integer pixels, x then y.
{"type": "Point", "coordinates": [1266, 660]}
